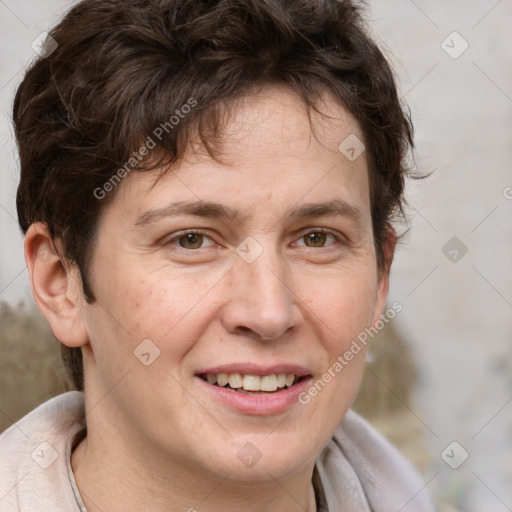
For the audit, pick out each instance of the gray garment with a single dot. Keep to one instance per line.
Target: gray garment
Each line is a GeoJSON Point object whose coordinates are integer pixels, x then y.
{"type": "Point", "coordinates": [358, 470]}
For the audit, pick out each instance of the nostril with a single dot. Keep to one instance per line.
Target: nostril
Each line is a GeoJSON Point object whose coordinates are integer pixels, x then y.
{"type": "Point", "coordinates": [241, 329]}
{"type": "Point", "coordinates": [260, 320]}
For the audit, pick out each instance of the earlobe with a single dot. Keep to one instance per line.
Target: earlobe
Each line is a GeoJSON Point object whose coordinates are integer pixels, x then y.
{"type": "Point", "coordinates": [56, 289]}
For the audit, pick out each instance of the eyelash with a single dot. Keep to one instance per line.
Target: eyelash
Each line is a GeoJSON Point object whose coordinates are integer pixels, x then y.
{"type": "Point", "coordinates": [175, 239]}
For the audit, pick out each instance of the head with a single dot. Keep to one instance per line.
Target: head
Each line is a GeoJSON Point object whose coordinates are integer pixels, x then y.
{"type": "Point", "coordinates": [210, 188]}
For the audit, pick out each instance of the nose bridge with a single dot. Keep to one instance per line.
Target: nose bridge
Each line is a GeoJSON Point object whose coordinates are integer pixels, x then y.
{"type": "Point", "coordinates": [262, 298]}
{"type": "Point", "coordinates": [269, 279]}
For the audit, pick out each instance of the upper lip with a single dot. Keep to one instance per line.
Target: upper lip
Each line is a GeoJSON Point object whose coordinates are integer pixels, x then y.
{"type": "Point", "coordinates": [255, 369]}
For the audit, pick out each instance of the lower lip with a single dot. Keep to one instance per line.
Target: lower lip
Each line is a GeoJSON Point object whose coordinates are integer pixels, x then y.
{"type": "Point", "coordinates": [274, 403]}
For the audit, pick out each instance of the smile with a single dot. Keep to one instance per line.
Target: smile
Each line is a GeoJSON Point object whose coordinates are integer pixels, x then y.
{"type": "Point", "coordinates": [252, 384]}
{"type": "Point", "coordinates": [253, 389]}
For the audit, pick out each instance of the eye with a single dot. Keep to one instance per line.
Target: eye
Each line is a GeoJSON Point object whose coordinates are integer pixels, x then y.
{"type": "Point", "coordinates": [318, 239]}
{"type": "Point", "coordinates": [192, 240]}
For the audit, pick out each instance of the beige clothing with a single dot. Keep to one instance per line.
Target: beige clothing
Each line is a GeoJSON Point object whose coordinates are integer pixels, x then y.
{"type": "Point", "coordinates": [358, 471]}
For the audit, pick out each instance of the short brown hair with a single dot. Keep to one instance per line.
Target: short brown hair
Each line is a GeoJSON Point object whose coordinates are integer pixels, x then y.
{"type": "Point", "coordinates": [123, 68]}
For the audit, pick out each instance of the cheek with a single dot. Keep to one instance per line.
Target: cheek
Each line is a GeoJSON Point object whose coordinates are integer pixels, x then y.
{"type": "Point", "coordinates": [142, 304]}
{"type": "Point", "coordinates": [342, 307]}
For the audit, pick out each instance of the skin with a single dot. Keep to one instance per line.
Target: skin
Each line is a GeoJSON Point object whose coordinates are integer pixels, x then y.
{"type": "Point", "coordinates": [155, 440]}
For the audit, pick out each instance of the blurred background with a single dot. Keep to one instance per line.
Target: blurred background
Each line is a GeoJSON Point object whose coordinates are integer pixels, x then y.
{"type": "Point", "coordinates": [439, 380]}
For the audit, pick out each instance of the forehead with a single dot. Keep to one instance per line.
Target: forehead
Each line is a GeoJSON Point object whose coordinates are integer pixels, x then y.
{"type": "Point", "coordinates": [274, 121]}
{"type": "Point", "coordinates": [269, 150]}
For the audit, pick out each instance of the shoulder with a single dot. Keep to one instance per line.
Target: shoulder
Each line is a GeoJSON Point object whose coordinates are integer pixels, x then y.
{"type": "Point", "coordinates": [34, 453]}
{"type": "Point", "coordinates": [361, 462]}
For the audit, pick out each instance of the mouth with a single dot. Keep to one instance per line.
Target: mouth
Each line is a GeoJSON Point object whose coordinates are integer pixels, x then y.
{"type": "Point", "coordinates": [250, 384]}
{"type": "Point", "coordinates": [251, 389]}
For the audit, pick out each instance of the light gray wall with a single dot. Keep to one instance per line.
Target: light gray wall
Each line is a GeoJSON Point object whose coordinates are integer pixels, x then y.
{"type": "Point", "coordinates": [21, 22]}
{"type": "Point", "coordinates": [457, 314]}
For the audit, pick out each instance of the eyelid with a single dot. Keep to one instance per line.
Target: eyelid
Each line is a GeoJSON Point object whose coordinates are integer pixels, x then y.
{"type": "Point", "coordinates": [174, 237]}
{"type": "Point", "coordinates": [337, 235]}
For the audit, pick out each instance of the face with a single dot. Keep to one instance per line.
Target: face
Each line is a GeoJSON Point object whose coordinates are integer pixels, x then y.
{"type": "Point", "coordinates": [234, 273]}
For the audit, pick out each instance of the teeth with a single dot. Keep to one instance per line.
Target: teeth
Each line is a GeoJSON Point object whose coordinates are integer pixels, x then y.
{"type": "Point", "coordinates": [221, 378]}
{"type": "Point", "coordinates": [235, 380]}
{"type": "Point", "coordinates": [269, 382]}
{"type": "Point", "coordinates": [250, 382]}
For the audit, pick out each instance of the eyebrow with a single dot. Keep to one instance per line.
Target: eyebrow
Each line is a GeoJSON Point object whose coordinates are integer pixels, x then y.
{"type": "Point", "coordinates": [209, 209]}
{"type": "Point", "coordinates": [197, 208]}
{"type": "Point", "coordinates": [334, 208]}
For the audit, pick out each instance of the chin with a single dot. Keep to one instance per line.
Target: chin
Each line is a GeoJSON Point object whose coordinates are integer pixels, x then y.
{"type": "Point", "coordinates": [260, 458]}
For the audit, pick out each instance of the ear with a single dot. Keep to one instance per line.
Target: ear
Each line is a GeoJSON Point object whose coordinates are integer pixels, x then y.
{"type": "Point", "coordinates": [56, 288]}
{"type": "Point", "coordinates": [388, 250]}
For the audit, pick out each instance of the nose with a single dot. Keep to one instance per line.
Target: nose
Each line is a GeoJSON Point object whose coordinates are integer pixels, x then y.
{"type": "Point", "coordinates": [262, 303]}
